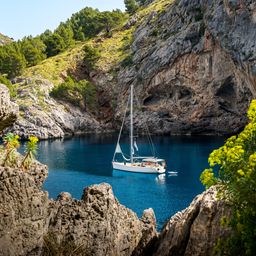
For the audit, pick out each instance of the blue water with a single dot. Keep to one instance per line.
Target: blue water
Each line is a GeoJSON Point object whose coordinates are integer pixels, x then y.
{"type": "Point", "coordinates": [79, 162]}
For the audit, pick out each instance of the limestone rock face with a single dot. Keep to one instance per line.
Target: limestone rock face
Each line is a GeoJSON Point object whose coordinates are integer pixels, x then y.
{"type": "Point", "coordinates": [99, 223]}
{"type": "Point", "coordinates": [195, 230]}
{"type": "Point", "coordinates": [194, 67]}
{"type": "Point", "coordinates": [8, 110]}
{"type": "Point", "coordinates": [95, 225]}
{"type": "Point", "coordinates": [23, 213]}
{"type": "Point", "coordinates": [44, 117]}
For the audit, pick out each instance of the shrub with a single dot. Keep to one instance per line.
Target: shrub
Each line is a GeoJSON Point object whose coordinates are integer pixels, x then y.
{"type": "Point", "coordinates": [234, 167]}
{"type": "Point", "coordinates": [13, 90]}
{"type": "Point", "coordinates": [91, 56]}
{"type": "Point", "coordinates": [82, 94]}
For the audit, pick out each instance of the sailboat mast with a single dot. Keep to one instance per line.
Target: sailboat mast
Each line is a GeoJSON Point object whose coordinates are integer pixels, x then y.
{"type": "Point", "coordinates": [131, 126]}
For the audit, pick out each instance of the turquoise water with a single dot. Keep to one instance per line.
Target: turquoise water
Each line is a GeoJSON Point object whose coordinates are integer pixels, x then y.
{"type": "Point", "coordinates": [79, 162]}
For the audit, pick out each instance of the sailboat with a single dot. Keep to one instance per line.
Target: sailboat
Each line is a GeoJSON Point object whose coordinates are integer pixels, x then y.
{"type": "Point", "coordinates": [136, 163]}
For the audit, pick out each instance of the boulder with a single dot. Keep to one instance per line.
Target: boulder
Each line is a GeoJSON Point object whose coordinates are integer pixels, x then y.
{"type": "Point", "coordinates": [99, 224]}
{"type": "Point", "coordinates": [195, 230]}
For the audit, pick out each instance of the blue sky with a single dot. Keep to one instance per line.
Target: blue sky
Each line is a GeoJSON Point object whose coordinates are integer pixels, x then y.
{"type": "Point", "coordinates": [21, 18]}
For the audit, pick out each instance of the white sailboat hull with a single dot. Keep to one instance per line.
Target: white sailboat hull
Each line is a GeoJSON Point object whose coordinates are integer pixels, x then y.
{"type": "Point", "coordinates": [128, 167]}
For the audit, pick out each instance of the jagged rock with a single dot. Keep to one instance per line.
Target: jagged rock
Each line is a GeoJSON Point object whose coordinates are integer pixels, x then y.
{"type": "Point", "coordinates": [99, 224]}
{"type": "Point", "coordinates": [8, 110]}
{"type": "Point", "coordinates": [195, 230]}
{"type": "Point", "coordinates": [23, 213]}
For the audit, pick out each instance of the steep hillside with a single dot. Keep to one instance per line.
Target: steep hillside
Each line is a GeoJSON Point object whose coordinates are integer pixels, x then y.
{"type": "Point", "coordinates": [4, 39]}
{"type": "Point", "coordinates": [193, 65]}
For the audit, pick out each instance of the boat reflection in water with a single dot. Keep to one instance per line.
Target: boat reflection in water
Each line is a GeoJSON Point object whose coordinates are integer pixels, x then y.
{"type": "Point", "coordinates": [161, 178]}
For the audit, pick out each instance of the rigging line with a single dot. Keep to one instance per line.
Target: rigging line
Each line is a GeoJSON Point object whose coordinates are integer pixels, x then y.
{"type": "Point", "coordinates": [119, 136]}
{"type": "Point", "coordinates": [152, 147]}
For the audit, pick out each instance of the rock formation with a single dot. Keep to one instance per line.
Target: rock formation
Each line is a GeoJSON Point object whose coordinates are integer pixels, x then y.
{"type": "Point", "coordinates": [8, 110]}
{"type": "Point", "coordinates": [5, 39]}
{"type": "Point", "coordinates": [98, 222]}
{"type": "Point", "coordinates": [23, 212]}
{"type": "Point", "coordinates": [95, 225]}
{"type": "Point", "coordinates": [194, 67]}
{"type": "Point", "coordinates": [196, 230]}
{"type": "Point", "coordinates": [44, 117]}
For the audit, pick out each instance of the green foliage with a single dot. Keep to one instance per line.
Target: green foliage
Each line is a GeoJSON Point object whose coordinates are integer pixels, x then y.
{"type": "Point", "coordinates": [66, 33]}
{"type": "Point", "coordinates": [31, 150]}
{"type": "Point", "coordinates": [12, 60]}
{"type": "Point", "coordinates": [54, 45]}
{"type": "Point", "coordinates": [82, 94]}
{"type": "Point", "coordinates": [13, 91]}
{"type": "Point", "coordinates": [89, 22]}
{"type": "Point", "coordinates": [33, 50]}
{"type": "Point", "coordinates": [131, 6]}
{"type": "Point", "coordinates": [91, 55]}
{"type": "Point", "coordinates": [234, 167]}
{"type": "Point", "coordinates": [11, 143]}
{"type": "Point", "coordinates": [128, 61]}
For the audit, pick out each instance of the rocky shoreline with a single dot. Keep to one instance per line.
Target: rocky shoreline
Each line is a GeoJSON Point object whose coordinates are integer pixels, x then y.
{"type": "Point", "coordinates": [32, 224]}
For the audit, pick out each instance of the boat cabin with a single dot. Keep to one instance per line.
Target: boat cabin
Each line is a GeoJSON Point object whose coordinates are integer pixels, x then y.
{"type": "Point", "coordinates": [153, 162]}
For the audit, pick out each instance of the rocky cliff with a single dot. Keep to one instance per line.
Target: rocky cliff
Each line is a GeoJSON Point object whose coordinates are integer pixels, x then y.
{"type": "Point", "coordinates": [31, 224]}
{"type": "Point", "coordinates": [194, 66]}
{"type": "Point", "coordinates": [195, 230]}
{"type": "Point", "coordinates": [44, 117]}
{"type": "Point", "coordinates": [4, 39]}
{"type": "Point", "coordinates": [8, 110]}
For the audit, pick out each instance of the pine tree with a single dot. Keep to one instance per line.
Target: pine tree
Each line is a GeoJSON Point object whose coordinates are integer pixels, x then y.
{"type": "Point", "coordinates": [33, 50]}
{"type": "Point", "coordinates": [66, 32]}
{"type": "Point", "coordinates": [131, 6]}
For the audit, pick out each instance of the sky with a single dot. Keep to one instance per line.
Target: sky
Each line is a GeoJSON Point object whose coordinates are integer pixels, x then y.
{"type": "Point", "coordinates": [21, 18]}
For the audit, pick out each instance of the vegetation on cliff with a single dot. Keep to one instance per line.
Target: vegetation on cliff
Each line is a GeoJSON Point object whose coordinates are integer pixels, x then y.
{"type": "Point", "coordinates": [234, 167]}
{"type": "Point", "coordinates": [9, 155]}
{"type": "Point", "coordinates": [29, 51]}
{"type": "Point", "coordinates": [82, 93]}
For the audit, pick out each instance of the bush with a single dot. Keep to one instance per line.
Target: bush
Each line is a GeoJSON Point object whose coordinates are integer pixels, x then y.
{"type": "Point", "coordinates": [91, 56]}
{"type": "Point", "coordinates": [234, 167]}
{"type": "Point", "coordinates": [82, 94]}
{"type": "Point", "coordinates": [13, 90]}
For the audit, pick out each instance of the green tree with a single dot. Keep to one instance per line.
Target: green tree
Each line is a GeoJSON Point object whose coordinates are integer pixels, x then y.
{"type": "Point", "coordinates": [110, 20]}
{"type": "Point", "coordinates": [66, 32]}
{"type": "Point", "coordinates": [54, 44]}
{"type": "Point", "coordinates": [12, 60]}
{"type": "Point", "coordinates": [31, 151]}
{"type": "Point", "coordinates": [11, 143]}
{"type": "Point", "coordinates": [91, 56]}
{"type": "Point", "coordinates": [233, 166]}
{"type": "Point", "coordinates": [33, 50]}
{"type": "Point", "coordinates": [131, 6]}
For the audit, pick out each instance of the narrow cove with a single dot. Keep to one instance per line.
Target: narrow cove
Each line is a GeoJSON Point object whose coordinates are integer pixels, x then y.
{"type": "Point", "coordinates": [82, 161]}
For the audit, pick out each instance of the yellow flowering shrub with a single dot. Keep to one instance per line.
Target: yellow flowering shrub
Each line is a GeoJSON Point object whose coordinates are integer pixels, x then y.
{"type": "Point", "coordinates": [234, 167]}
